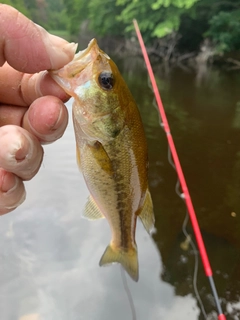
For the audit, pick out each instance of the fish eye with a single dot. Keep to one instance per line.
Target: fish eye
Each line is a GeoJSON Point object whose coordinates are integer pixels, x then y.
{"type": "Point", "coordinates": [106, 80]}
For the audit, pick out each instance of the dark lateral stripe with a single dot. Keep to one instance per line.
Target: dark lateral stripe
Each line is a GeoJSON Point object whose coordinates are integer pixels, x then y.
{"type": "Point", "coordinates": [124, 230]}
{"type": "Point", "coordinates": [121, 190]}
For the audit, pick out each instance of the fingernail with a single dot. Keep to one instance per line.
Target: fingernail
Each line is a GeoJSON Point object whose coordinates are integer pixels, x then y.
{"type": "Point", "coordinates": [19, 197]}
{"type": "Point", "coordinates": [60, 51]}
{"type": "Point", "coordinates": [70, 49]}
{"type": "Point", "coordinates": [13, 191]}
{"type": "Point", "coordinates": [56, 124]}
{"type": "Point", "coordinates": [8, 182]}
{"type": "Point", "coordinates": [39, 76]}
{"type": "Point", "coordinates": [25, 148]}
{"type": "Point", "coordinates": [19, 149]}
{"type": "Point", "coordinates": [20, 152]}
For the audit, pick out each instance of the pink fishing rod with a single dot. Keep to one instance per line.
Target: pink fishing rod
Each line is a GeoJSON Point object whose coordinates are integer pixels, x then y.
{"type": "Point", "coordinates": [187, 197]}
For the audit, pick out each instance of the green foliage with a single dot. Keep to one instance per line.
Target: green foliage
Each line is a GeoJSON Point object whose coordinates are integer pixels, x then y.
{"type": "Point", "coordinates": [51, 14]}
{"type": "Point", "coordinates": [114, 17]}
{"type": "Point", "coordinates": [191, 19]}
{"type": "Point", "coordinates": [103, 17]}
{"type": "Point", "coordinates": [77, 12]}
{"type": "Point", "coordinates": [225, 30]}
{"type": "Point", "coordinates": [166, 27]}
{"type": "Point", "coordinates": [19, 5]}
{"type": "Point", "coordinates": [177, 3]}
{"type": "Point", "coordinates": [157, 18]}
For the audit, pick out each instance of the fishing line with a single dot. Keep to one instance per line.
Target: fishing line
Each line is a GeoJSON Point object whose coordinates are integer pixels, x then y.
{"type": "Point", "coordinates": [192, 244]}
{"type": "Point", "coordinates": [188, 236]}
{"type": "Point", "coordinates": [184, 225]}
{"type": "Point", "coordinates": [196, 264]}
{"type": "Point", "coordinates": [185, 192]}
{"type": "Point", "coordinates": [128, 293]}
{"type": "Point", "coordinates": [185, 222]}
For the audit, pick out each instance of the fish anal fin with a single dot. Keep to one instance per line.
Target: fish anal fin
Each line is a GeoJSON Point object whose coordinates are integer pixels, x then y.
{"type": "Point", "coordinates": [146, 213]}
{"type": "Point", "coordinates": [127, 258]}
{"type": "Point", "coordinates": [91, 210]}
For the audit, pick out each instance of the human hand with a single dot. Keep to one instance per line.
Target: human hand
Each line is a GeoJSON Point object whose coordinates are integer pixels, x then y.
{"type": "Point", "coordinates": [32, 111]}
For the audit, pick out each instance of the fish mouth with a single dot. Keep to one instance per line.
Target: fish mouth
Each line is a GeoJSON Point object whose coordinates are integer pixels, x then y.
{"type": "Point", "coordinates": [77, 72]}
{"type": "Point", "coordinates": [92, 46]}
{"type": "Point", "coordinates": [80, 61]}
{"type": "Point", "coordinates": [88, 55]}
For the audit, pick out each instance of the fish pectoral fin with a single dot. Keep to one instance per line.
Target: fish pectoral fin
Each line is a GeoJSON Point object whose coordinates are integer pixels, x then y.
{"type": "Point", "coordinates": [146, 214]}
{"type": "Point", "coordinates": [100, 155]}
{"type": "Point", "coordinates": [91, 210]}
{"type": "Point", "coordinates": [127, 258]}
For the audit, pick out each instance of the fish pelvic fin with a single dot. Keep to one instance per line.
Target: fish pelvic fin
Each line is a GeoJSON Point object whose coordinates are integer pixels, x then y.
{"type": "Point", "coordinates": [128, 258]}
{"type": "Point", "coordinates": [146, 213]}
{"type": "Point", "coordinates": [78, 158]}
{"type": "Point", "coordinates": [92, 211]}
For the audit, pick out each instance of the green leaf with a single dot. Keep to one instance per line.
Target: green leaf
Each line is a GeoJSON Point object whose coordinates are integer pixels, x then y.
{"type": "Point", "coordinates": [166, 27]}
{"type": "Point", "coordinates": [177, 3]}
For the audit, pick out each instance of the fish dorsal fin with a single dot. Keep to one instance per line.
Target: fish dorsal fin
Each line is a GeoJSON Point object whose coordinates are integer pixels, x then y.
{"type": "Point", "coordinates": [146, 214]}
{"type": "Point", "coordinates": [91, 210]}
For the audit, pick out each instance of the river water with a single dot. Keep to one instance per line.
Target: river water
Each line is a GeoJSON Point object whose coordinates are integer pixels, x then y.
{"type": "Point", "coordinates": [49, 254]}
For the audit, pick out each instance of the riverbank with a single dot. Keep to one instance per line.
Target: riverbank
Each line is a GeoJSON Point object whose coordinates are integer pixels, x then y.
{"type": "Point", "coordinates": [164, 51]}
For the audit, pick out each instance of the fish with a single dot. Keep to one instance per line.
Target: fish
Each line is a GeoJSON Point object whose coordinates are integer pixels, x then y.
{"type": "Point", "coordinates": [111, 151]}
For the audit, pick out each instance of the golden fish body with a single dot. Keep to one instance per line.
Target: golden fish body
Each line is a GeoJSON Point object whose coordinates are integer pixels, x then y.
{"type": "Point", "coordinates": [111, 151]}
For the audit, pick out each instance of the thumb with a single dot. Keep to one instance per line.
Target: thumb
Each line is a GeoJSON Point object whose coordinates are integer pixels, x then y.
{"type": "Point", "coordinates": [28, 47]}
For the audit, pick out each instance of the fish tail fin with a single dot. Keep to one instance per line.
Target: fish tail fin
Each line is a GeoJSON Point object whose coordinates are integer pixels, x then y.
{"type": "Point", "coordinates": [128, 258]}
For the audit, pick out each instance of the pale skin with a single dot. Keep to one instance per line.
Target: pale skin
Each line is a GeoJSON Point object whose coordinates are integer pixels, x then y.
{"type": "Point", "coordinates": [32, 111]}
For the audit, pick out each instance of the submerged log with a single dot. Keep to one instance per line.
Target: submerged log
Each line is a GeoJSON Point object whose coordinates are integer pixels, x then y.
{"type": "Point", "coordinates": [235, 62]}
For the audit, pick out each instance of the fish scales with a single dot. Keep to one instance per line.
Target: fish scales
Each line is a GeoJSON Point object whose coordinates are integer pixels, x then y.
{"type": "Point", "coordinates": [111, 151]}
{"type": "Point", "coordinates": [116, 187]}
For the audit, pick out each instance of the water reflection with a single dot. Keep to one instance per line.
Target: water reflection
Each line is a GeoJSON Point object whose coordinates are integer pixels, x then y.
{"type": "Point", "coordinates": [204, 119]}
{"type": "Point", "coordinates": [49, 254]}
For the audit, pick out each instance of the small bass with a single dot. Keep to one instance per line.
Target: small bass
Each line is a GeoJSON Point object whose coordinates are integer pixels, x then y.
{"type": "Point", "coordinates": [111, 151]}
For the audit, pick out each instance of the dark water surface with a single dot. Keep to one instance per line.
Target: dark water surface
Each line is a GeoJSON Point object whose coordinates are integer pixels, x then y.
{"type": "Point", "coordinates": [49, 255]}
{"type": "Point", "coordinates": [204, 115]}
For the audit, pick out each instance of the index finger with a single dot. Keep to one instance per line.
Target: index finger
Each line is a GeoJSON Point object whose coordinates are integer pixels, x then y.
{"type": "Point", "coordinates": [29, 48]}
